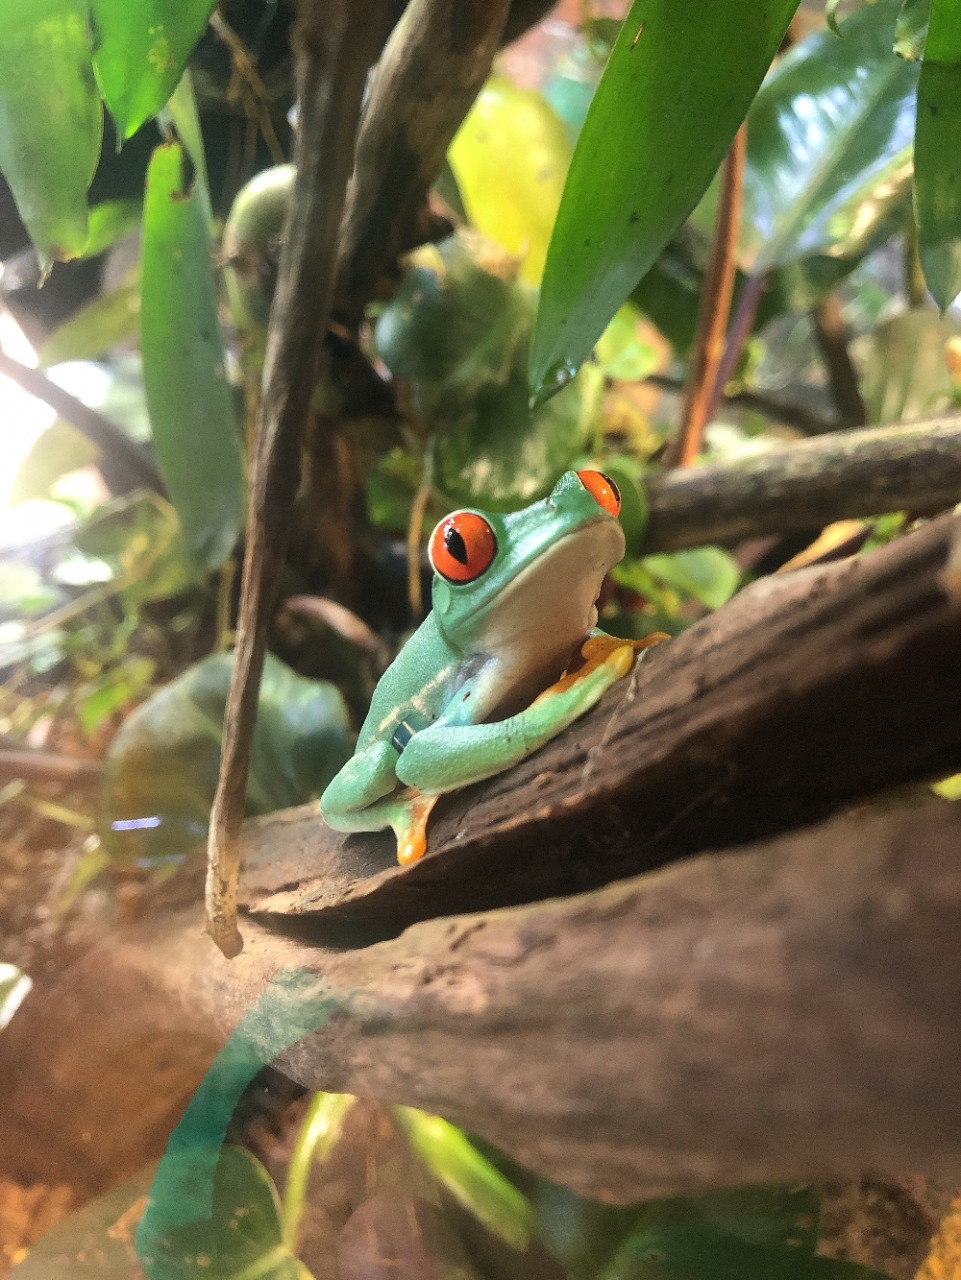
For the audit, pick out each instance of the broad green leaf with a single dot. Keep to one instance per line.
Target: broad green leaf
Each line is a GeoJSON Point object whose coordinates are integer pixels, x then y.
{"type": "Point", "coordinates": [457, 331]}
{"type": "Point", "coordinates": [510, 157]}
{"type": "Point", "coordinates": [55, 453]}
{"type": "Point", "coordinates": [677, 86]}
{"type": "Point", "coordinates": [161, 769]}
{"type": "Point", "coordinates": [243, 1237]}
{"type": "Point", "coordinates": [829, 144]}
{"type": "Point", "coordinates": [141, 53]}
{"type": "Point", "coordinates": [706, 573]}
{"type": "Point", "coordinates": [99, 325]}
{"type": "Point", "coordinates": [51, 121]}
{"type": "Point", "coordinates": [586, 1236]}
{"type": "Point", "coordinates": [195, 430]}
{"type": "Point", "coordinates": [95, 1243]}
{"type": "Point", "coordinates": [695, 1252]}
{"type": "Point", "coordinates": [904, 372]}
{"type": "Point", "coordinates": [937, 160]}
{"type": "Point", "coordinates": [911, 29]}
{"type": "Point", "coordinates": [135, 542]}
{"type": "Point", "coordinates": [110, 220]}
{"type": "Point", "coordinates": [470, 1178]}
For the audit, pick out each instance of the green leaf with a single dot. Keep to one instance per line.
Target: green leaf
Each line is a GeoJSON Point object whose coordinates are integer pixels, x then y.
{"type": "Point", "coordinates": [109, 221]}
{"type": "Point", "coordinates": [937, 163]}
{"type": "Point", "coordinates": [191, 408]}
{"type": "Point", "coordinates": [911, 29]}
{"type": "Point", "coordinates": [241, 1239]}
{"type": "Point", "coordinates": [51, 121]}
{"type": "Point", "coordinates": [141, 53]}
{"type": "Point", "coordinates": [694, 1252]}
{"type": "Point", "coordinates": [706, 573]}
{"type": "Point", "coordinates": [510, 157]}
{"type": "Point", "coordinates": [135, 542]}
{"type": "Point", "coordinates": [829, 144]}
{"type": "Point", "coordinates": [91, 1244]}
{"type": "Point", "coordinates": [470, 1178]}
{"type": "Point", "coordinates": [95, 328]}
{"type": "Point", "coordinates": [903, 369]}
{"type": "Point", "coordinates": [161, 770]}
{"type": "Point", "coordinates": [677, 86]}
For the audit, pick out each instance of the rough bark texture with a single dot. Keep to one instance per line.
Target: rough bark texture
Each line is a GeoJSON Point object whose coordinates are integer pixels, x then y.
{"type": "Point", "coordinates": [783, 1012]}
{"type": "Point", "coordinates": [807, 484]}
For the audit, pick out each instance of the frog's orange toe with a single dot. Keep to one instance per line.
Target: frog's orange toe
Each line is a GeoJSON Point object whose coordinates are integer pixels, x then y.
{"type": "Point", "coordinates": [412, 841]}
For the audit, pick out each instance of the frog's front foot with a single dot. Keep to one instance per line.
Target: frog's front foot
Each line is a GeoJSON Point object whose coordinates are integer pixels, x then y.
{"type": "Point", "coordinates": [602, 650]}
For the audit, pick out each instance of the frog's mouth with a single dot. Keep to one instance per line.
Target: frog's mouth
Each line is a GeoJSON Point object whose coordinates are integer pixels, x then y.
{"type": "Point", "coordinates": [544, 614]}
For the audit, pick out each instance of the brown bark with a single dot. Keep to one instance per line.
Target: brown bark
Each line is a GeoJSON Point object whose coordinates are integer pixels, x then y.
{"type": "Point", "coordinates": [783, 1012]}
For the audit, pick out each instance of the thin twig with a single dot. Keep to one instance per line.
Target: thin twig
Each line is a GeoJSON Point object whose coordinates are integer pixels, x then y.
{"type": "Point", "coordinates": [714, 309]}
{"type": "Point", "coordinates": [832, 340]}
{"type": "Point", "coordinates": [742, 322]}
{"type": "Point", "coordinates": [42, 766]}
{"type": "Point", "coordinates": [337, 42]}
{"type": "Point", "coordinates": [103, 434]}
{"type": "Point", "coordinates": [257, 95]}
{"type": "Point", "coordinates": [415, 595]}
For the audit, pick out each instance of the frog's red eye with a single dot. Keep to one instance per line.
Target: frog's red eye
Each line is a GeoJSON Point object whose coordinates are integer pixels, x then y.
{"type": "Point", "coordinates": [602, 489]}
{"type": "Point", "coordinates": [462, 546]}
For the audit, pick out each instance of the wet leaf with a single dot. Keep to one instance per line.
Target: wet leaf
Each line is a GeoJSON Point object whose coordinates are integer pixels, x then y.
{"type": "Point", "coordinates": [51, 121]}
{"type": "Point", "coordinates": [676, 87]}
{"type": "Point", "coordinates": [829, 144]}
{"type": "Point", "coordinates": [937, 163]}
{"type": "Point", "coordinates": [195, 431]}
{"type": "Point", "coordinates": [161, 769]}
{"type": "Point", "coordinates": [510, 158]}
{"type": "Point", "coordinates": [142, 50]}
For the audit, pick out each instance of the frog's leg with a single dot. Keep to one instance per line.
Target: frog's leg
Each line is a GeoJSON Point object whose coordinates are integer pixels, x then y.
{"type": "Point", "coordinates": [364, 796]}
{"type": "Point", "coordinates": [445, 755]}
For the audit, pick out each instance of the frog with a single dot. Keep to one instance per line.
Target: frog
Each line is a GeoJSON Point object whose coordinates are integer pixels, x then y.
{"type": "Point", "coordinates": [509, 656]}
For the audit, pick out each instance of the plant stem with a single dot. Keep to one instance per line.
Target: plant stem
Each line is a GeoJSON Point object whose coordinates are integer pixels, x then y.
{"type": "Point", "coordinates": [103, 434]}
{"type": "Point", "coordinates": [714, 309]}
{"type": "Point", "coordinates": [319, 1131]}
{"type": "Point", "coordinates": [831, 335]}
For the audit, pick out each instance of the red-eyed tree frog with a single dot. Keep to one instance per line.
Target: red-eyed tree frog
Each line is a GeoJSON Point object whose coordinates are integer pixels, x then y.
{"type": "Point", "coordinates": [481, 684]}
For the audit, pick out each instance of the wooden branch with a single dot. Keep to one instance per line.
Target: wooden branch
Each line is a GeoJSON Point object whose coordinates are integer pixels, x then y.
{"type": "Point", "coordinates": [805, 485]}
{"type": "Point", "coordinates": [124, 455]}
{"type": "Point", "coordinates": [435, 62]}
{"type": "Point", "coordinates": [785, 1012]}
{"type": "Point", "coordinates": [337, 44]}
{"type": "Point", "coordinates": [714, 309]}
{"type": "Point", "coordinates": [46, 766]}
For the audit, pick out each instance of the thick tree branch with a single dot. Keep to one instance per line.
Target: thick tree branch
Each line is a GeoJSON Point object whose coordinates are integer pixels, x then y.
{"type": "Point", "coordinates": [435, 62]}
{"type": "Point", "coordinates": [786, 1012]}
{"type": "Point", "coordinates": [808, 484]}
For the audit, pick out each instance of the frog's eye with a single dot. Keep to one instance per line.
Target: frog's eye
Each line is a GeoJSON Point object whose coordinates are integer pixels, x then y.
{"type": "Point", "coordinates": [602, 489]}
{"type": "Point", "coordinates": [462, 546]}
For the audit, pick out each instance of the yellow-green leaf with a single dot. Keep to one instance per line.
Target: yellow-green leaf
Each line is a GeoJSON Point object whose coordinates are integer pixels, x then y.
{"type": "Point", "coordinates": [142, 49]}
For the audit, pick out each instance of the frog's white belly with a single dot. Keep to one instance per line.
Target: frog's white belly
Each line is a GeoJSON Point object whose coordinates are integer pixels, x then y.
{"type": "Point", "coordinates": [543, 616]}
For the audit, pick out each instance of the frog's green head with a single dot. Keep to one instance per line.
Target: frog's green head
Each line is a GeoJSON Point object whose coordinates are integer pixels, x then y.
{"type": "Point", "coordinates": [526, 584]}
